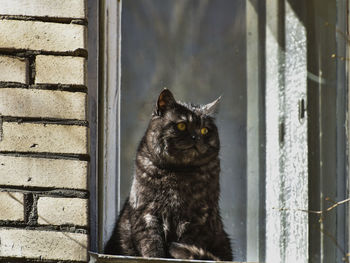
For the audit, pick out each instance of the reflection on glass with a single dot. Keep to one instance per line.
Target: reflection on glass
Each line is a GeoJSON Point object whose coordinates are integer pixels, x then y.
{"type": "Point", "coordinates": [197, 49]}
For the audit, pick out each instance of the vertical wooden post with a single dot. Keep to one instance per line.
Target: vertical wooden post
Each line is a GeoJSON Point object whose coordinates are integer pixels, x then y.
{"type": "Point", "coordinates": [109, 117]}
{"type": "Point", "coordinates": [286, 135]}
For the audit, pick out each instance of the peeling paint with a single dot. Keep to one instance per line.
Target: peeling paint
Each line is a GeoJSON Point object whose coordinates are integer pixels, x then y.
{"type": "Point", "coordinates": [286, 161]}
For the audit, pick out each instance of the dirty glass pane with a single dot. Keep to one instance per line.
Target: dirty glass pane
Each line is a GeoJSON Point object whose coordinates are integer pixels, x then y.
{"type": "Point", "coordinates": [197, 49]}
{"type": "Point", "coordinates": [327, 91]}
{"type": "Point", "coordinates": [289, 55]}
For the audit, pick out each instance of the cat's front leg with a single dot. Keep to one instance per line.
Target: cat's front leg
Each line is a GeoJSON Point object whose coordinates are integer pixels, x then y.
{"type": "Point", "coordinates": [149, 237]}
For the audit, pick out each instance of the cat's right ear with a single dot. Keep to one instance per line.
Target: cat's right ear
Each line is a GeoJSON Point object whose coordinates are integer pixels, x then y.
{"type": "Point", "coordinates": [212, 108]}
{"type": "Point", "coordinates": [165, 101]}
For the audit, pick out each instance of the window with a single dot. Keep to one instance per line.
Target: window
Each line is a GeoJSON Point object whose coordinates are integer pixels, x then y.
{"type": "Point", "coordinates": [198, 50]}
{"type": "Point", "coordinates": [281, 67]}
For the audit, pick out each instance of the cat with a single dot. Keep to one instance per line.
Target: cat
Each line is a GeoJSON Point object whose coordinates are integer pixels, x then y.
{"type": "Point", "coordinates": [172, 210]}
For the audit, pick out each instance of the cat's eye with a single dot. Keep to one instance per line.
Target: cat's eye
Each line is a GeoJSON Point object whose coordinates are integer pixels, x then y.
{"type": "Point", "coordinates": [204, 131]}
{"type": "Point", "coordinates": [181, 126]}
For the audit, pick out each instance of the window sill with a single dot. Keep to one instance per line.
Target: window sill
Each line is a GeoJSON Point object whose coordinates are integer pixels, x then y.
{"type": "Point", "coordinates": [102, 258]}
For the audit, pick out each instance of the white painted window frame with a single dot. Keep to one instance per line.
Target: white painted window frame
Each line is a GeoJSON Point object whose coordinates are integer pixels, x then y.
{"type": "Point", "coordinates": [286, 136]}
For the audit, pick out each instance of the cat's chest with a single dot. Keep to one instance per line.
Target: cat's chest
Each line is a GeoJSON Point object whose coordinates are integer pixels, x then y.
{"type": "Point", "coordinates": [186, 206]}
{"type": "Point", "coordinates": [187, 192]}
{"type": "Point", "coordinates": [188, 201]}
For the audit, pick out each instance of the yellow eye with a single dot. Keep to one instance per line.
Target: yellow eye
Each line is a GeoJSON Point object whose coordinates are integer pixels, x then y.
{"type": "Point", "coordinates": [181, 126]}
{"type": "Point", "coordinates": [204, 131]}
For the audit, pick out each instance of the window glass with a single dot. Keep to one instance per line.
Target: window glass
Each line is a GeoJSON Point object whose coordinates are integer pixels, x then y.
{"type": "Point", "coordinates": [197, 49]}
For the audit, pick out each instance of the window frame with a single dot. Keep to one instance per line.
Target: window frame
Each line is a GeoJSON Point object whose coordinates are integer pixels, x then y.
{"type": "Point", "coordinates": [348, 125]}
{"type": "Point", "coordinates": [93, 84]}
{"type": "Point", "coordinates": [104, 82]}
{"type": "Point", "coordinates": [286, 154]}
{"type": "Point", "coordinates": [255, 19]}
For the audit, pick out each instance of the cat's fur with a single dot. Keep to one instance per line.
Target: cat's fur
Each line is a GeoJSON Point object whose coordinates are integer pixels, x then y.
{"type": "Point", "coordinates": [172, 209]}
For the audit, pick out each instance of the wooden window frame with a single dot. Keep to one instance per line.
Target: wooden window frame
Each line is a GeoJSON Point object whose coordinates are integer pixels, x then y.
{"type": "Point", "coordinates": [104, 115]}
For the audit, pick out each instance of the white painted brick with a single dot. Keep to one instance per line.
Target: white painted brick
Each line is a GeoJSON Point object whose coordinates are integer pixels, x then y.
{"type": "Point", "coordinates": [60, 211]}
{"type": "Point", "coordinates": [41, 172]}
{"type": "Point", "coordinates": [13, 69]}
{"type": "Point", "coordinates": [60, 69]}
{"type": "Point", "coordinates": [42, 103]}
{"type": "Point", "coordinates": [11, 206]}
{"type": "Point", "coordinates": [36, 35]}
{"type": "Point", "coordinates": [33, 137]}
{"type": "Point", "coordinates": [49, 8]}
{"type": "Point", "coordinates": [43, 245]}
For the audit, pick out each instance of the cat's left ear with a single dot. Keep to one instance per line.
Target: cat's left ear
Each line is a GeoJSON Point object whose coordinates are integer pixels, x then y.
{"type": "Point", "coordinates": [212, 107]}
{"type": "Point", "coordinates": [165, 101]}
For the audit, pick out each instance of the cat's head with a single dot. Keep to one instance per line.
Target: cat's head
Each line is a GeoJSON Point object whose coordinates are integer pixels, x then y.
{"type": "Point", "coordinates": [182, 134]}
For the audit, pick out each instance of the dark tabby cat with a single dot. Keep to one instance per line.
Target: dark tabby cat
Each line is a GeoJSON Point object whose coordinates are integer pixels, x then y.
{"type": "Point", "coordinates": [172, 210]}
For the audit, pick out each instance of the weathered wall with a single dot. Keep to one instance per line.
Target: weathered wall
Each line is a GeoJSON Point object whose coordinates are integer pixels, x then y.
{"type": "Point", "coordinates": [43, 131]}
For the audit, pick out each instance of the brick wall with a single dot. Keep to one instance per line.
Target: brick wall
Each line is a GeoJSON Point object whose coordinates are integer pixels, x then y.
{"type": "Point", "coordinates": [43, 131]}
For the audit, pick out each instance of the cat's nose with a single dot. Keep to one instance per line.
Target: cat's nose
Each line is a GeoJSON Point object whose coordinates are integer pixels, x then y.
{"type": "Point", "coordinates": [194, 137]}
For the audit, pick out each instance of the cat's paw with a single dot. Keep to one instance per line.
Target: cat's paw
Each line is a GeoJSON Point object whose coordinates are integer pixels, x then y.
{"type": "Point", "coordinates": [184, 251]}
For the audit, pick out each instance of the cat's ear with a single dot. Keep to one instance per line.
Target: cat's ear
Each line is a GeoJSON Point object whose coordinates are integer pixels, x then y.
{"type": "Point", "coordinates": [165, 101]}
{"type": "Point", "coordinates": [212, 107]}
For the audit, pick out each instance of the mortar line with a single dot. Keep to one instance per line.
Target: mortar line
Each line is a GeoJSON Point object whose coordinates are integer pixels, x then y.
{"type": "Point", "coordinates": [44, 120]}
{"type": "Point", "coordinates": [47, 155]}
{"type": "Point", "coordinates": [30, 260]}
{"type": "Point", "coordinates": [46, 19]}
{"type": "Point", "coordinates": [20, 52]}
{"type": "Point", "coordinates": [54, 228]}
{"type": "Point", "coordinates": [55, 87]}
{"type": "Point", "coordinates": [47, 191]}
